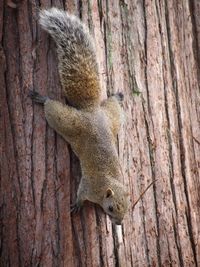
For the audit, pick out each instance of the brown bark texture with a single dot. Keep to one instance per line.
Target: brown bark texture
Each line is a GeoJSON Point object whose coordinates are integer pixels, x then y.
{"type": "Point", "coordinates": [149, 50]}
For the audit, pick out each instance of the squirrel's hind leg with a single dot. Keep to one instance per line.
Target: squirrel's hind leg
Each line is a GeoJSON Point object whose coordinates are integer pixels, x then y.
{"type": "Point", "coordinates": [37, 98]}
{"type": "Point", "coordinates": [113, 109]}
{"type": "Point", "coordinates": [64, 119]}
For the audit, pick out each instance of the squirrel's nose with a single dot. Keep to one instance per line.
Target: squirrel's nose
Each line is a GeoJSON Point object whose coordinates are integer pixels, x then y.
{"type": "Point", "coordinates": [115, 221]}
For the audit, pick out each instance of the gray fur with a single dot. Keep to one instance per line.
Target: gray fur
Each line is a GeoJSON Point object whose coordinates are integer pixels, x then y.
{"type": "Point", "coordinates": [77, 60]}
{"type": "Point", "coordinates": [68, 32]}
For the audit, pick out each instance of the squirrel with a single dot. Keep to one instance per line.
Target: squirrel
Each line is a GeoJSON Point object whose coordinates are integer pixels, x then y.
{"type": "Point", "coordinates": [88, 124]}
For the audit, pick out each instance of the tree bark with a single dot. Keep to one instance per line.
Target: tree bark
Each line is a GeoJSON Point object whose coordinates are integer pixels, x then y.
{"type": "Point", "coordinates": [149, 50]}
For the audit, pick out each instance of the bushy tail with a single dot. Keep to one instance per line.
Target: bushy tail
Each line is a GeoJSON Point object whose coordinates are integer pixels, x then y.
{"type": "Point", "coordinates": [77, 60]}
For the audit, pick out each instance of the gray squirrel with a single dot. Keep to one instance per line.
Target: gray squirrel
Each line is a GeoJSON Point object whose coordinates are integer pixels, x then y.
{"type": "Point", "coordinates": [87, 123]}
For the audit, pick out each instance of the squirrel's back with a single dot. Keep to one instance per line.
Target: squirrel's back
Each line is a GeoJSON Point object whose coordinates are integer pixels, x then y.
{"type": "Point", "coordinates": [77, 60]}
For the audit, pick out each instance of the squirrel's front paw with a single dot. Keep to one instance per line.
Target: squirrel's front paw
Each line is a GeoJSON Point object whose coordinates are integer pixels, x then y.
{"type": "Point", "coordinates": [75, 208]}
{"type": "Point", "coordinates": [36, 97]}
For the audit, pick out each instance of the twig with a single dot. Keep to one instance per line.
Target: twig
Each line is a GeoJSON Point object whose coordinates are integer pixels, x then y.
{"type": "Point", "coordinates": [141, 195]}
{"type": "Point", "coordinates": [196, 140]}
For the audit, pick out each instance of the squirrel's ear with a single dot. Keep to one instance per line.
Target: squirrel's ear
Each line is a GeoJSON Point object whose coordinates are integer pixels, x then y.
{"type": "Point", "coordinates": [109, 193]}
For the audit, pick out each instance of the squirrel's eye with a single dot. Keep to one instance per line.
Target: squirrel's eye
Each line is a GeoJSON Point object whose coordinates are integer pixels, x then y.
{"type": "Point", "coordinates": [110, 208]}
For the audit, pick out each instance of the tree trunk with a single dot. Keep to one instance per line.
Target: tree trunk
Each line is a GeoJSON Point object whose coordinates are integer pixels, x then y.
{"type": "Point", "coordinates": [150, 51]}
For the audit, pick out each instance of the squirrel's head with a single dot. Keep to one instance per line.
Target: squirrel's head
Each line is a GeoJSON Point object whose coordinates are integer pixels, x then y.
{"type": "Point", "coordinates": [115, 204]}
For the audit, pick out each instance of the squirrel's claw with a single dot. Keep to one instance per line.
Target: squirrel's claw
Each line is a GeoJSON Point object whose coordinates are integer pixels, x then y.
{"type": "Point", "coordinates": [119, 96]}
{"type": "Point", "coordinates": [75, 208]}
{"type": "Point", "coordinates": [36, 97]}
